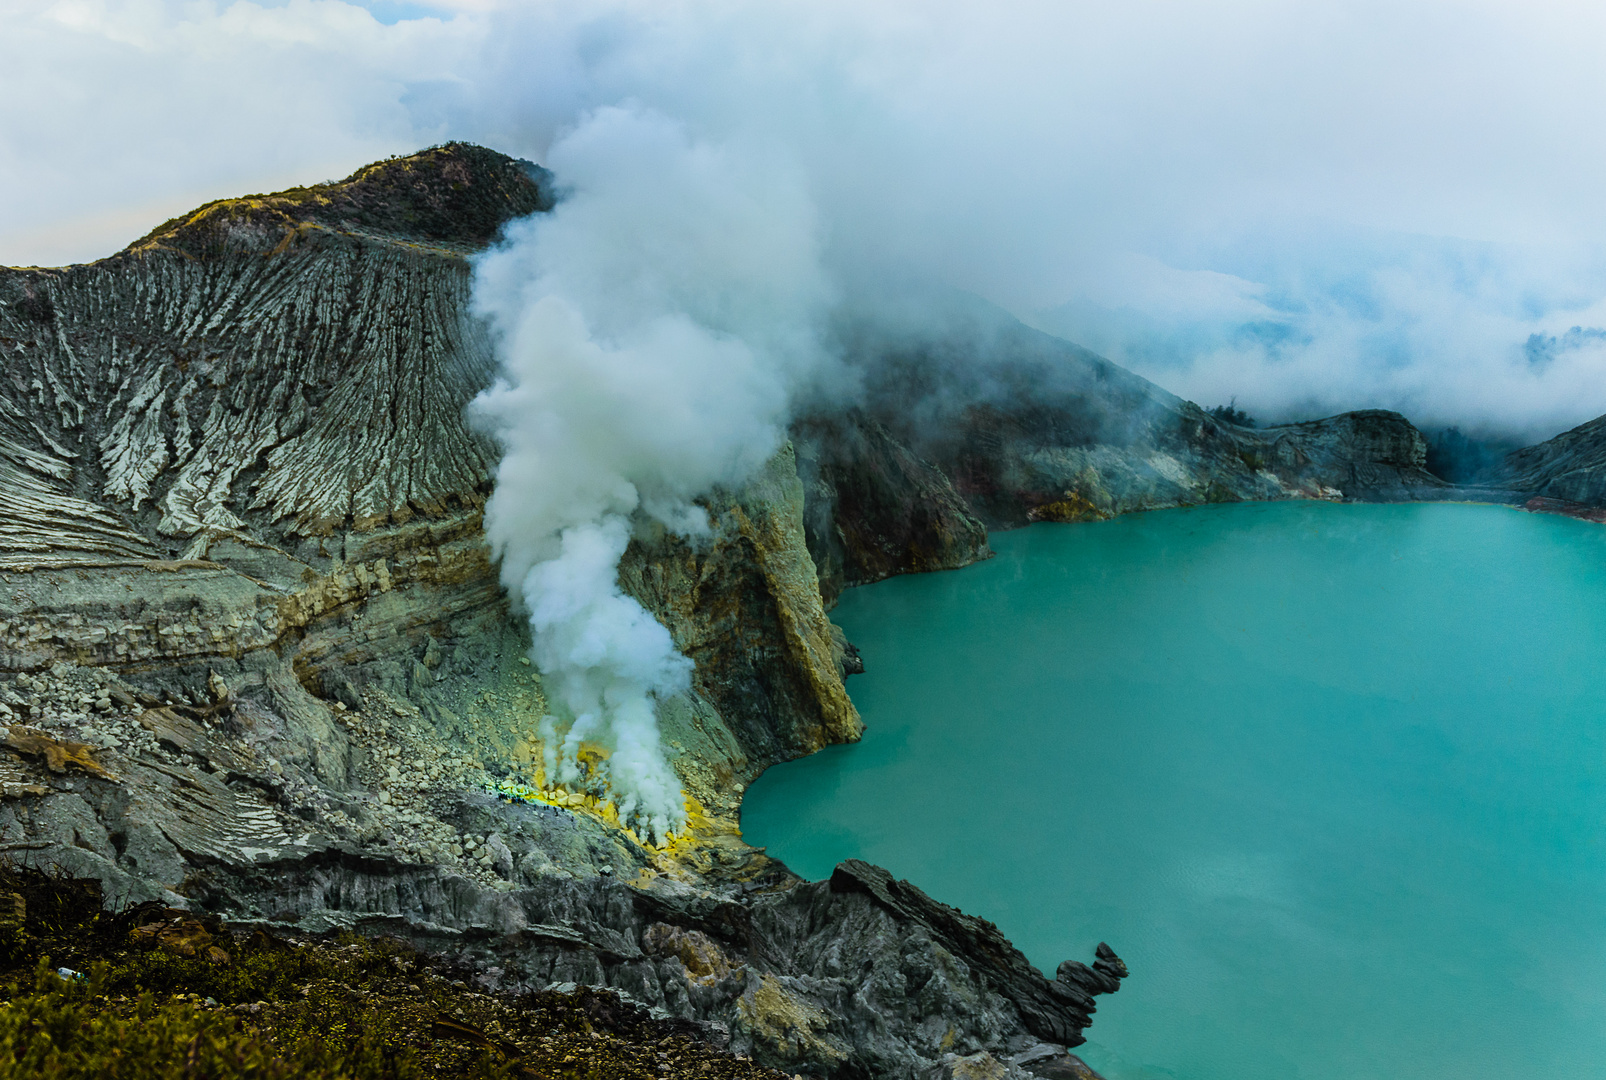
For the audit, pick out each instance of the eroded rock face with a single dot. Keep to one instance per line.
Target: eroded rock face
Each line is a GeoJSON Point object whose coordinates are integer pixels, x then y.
{"type": "Point", "coordinates": [255, 659]}
{"type": "Point", "coordinates": [994, 425]}
{"type": "Point", "coordinates": [875, 508]}
{"type": "Point", "coordinates": [258, 660]}
{"type": "Point", "coordinates": [746, 607]}
{"type": "Point", "coordinates": [1030, 428]}
{"type": "Point", "coordinates": [265, 369]}
{"type": "Point", "coordinates": [1571, 467]}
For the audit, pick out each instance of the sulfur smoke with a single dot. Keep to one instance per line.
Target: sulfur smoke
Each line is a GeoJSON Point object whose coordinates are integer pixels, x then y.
{"type": "Point", "coordinates": [652, 329]}
{"type": "Point", "coordinates": [1307, 208]}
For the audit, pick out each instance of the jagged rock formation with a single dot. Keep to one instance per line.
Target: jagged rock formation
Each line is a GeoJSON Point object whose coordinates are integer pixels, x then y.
{"type": "Point", "coordinates": [1570, 468]}
{"type": "Point", "coordinates": [269, 367]}
{"type": "Point", "coordinates": [995, 425]}
{"type": "Point", "coordinates": [1031, 428]}
{"type": "Point", "coordinates": [254, 656]}
{"type": "Point", "coordinates": [875, 508]}
{"type": "Point", "coordinates": [1055, 1011]}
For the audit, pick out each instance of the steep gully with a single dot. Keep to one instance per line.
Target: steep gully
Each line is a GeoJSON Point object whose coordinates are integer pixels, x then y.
{"type": "Point", "coordinates": [254, 657]}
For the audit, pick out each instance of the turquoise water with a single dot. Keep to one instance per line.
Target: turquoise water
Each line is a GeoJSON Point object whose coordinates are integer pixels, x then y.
{"type": "Point", "coordinates": [1331, 779]}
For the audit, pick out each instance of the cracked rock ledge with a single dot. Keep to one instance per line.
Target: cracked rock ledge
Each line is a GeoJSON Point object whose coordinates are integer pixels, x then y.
{"type": "Point", "coordinates": [255, 660]}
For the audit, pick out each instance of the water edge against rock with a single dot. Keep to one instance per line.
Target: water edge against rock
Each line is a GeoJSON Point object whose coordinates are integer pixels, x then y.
{"type": "Point", "coordinates": [1329, 778]}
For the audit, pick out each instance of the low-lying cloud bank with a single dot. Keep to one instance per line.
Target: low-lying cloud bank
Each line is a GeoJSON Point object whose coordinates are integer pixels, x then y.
{"type": "Point", "coordinates": [1306, 208]}
{"type": "Point", "coordinates": [1492, 339]}
{"type": "Point", "coordinates": [653, 329]}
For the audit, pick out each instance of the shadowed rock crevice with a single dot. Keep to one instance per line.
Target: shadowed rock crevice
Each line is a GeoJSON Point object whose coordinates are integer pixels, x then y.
{"type": "Point", "coordinates": [242, 573]}
{"type": "Point", "coordinates": [875, 509]}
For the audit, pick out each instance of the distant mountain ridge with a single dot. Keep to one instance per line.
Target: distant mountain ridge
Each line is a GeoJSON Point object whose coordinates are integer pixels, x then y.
{"type": "Point", "coordinates": [245, 579]}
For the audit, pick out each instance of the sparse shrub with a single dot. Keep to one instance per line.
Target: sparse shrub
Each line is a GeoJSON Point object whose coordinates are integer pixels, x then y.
{"type": "Point", "coordinates": [1231, 414]}
{"type": "Point", "coordinates": [69, 1030]}
{"type": "Point", "coordinates": [176, 994]}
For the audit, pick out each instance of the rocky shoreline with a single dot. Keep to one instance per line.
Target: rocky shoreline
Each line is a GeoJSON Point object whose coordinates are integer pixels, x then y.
{"type": "Point", "coordinates": [255, 660]}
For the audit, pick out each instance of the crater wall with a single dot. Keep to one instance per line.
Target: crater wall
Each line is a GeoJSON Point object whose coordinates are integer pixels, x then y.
{"type": "Point", "coordinates": [254, 656]}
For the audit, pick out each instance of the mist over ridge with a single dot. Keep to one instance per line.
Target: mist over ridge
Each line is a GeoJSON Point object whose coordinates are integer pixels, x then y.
{"type": "Point", "coordinates": [1302, 209]}
{"type": "Point", "coordinates": [1308, 208]}
{"type": "Point", "coordinates": [453, 550]}
{"type": "Point", "coordinates": [651, 328]}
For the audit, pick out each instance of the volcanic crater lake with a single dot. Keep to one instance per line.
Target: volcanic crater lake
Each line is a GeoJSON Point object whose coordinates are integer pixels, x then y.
{"type": "Point", "coordinates": [1330, 778]}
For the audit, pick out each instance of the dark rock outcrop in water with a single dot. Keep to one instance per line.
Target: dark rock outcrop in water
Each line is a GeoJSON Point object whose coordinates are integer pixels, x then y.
{"type": "Point", "coordinates": [255, 659]}
{"type": "Point", "coordinates": [1055, 1011]}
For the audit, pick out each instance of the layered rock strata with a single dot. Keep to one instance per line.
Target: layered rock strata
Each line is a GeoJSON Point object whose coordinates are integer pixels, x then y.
{"type": "Point", "coordinates": [254, 657]}
{"type": "Point", "coordinates": [1569, 469]}
{"type": "Point", "coordinates": [1049, 432]}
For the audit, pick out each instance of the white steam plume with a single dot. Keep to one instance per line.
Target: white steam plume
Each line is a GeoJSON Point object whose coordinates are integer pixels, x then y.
{"type": "Point", "coordinates": [652, 329]}
{"type": "Point", "coordinates": [1309, 206]}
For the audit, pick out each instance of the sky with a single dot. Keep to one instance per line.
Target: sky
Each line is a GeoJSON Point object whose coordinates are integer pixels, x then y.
{"type": "Point", "coordinates": [1297, 207]}
{"type": "Point", "coordinates": [1302, 206]}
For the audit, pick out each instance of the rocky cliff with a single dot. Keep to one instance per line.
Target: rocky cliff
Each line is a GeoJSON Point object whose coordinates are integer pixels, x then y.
{"type": "Point", "coordinates": [994, 425]}
{"type": "Point", "coordinates": [1567, 472]}
{"type": "Point", "coordinates": [254, 657]}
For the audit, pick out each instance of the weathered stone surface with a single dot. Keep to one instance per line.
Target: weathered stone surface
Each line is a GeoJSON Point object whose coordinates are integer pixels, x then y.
{"type": "Point", "coordinates": [57, 755]}
{"type": "Point", "coordinates": [746, 607]}
{"type": "Point", "coordinates": [244, 576]}
{"type": "Point", "coordinates": [1048, 1010]}
{"type": "Point", "coordinates": [1104, 977]}
{"type": "Point", "coordinates": [269, 366]}
{"type": "Point", "coordinates": [1372, 455]}
{"type": "Point", "coordinates": [1031, 428]}
{"type": "Point", "coordinates": [978, 1066]}
{"type": "Point", "coordinates": [1053, 1063]}
{"type": "Point", "coordinates": [875, 509]}
{"type": "Point", "coordinates": [1570, 468]}
{"type": "Point", "coordinates": [242, 573]}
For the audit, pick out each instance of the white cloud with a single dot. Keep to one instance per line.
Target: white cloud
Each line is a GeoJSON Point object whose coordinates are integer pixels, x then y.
{"type": "Point", "coordinates": [115, 109]}
{"type": "Point", "coordinates": [652, 330]}
{"type": "Point", "coordinates": [1308, 206]}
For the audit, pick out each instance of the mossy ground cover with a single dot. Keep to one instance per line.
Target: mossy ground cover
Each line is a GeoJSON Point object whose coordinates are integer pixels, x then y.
{"type": "Point", "coordinates": [453, 193]}
{"type": "Point", "coordinates": [154, 992]}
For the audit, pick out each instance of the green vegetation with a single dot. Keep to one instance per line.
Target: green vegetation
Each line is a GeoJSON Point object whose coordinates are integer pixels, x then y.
{"type": "Point", "coordinates": [70, 1028]}
{"type": "Point", "coordinates": [155, 992]}
{"type": "Point", "coordinates": [452, 193]}
{"type": "Point", "coordinates": [1231, 414]}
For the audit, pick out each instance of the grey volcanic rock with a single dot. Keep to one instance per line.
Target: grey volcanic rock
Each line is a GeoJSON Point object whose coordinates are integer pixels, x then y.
{"type": "Point", "coordinates": [1571, 467]}
{"type": "Point", "coordinates": [255, 658]}
{"type": "Point", "coordinates": [1373, 455]}
{"type": "Point", "coordinates": [746, 606]}
{"type": "Point", "coordinates": [253, 370]}
{"type": "Point", "coordinates": [1056, 1011]}
{"type": "Point", "coordinates": [875, 509]}
{"type": "Point", "coordinates": [987, 423]}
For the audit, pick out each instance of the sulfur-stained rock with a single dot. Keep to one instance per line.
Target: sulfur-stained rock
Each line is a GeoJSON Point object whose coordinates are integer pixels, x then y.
{"type": "Point", "coordinates": [746, 606]}
{"type": "Point", "coordinates": [699, 954]}
{"type": "Point", "coordinates": [978, 1066]}
{"type": "Point", "coordinates": [242, 569]}
{"type": "Point", "coordinates": [57, 755]}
